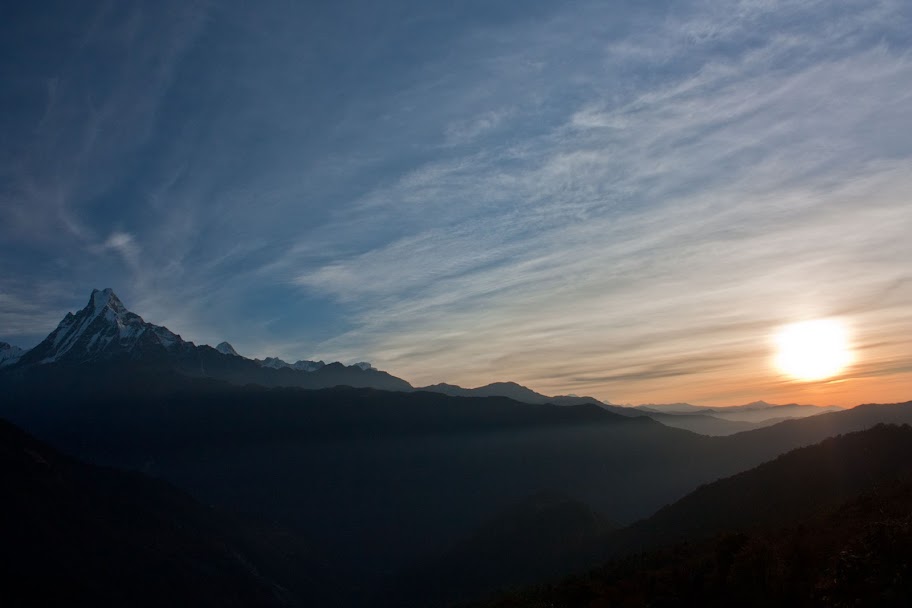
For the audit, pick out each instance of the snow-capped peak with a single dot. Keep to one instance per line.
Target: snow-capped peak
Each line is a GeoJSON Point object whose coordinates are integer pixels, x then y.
{"type": "Point", "coordinates": [364, 365]}
{"type": "Point", "coordinates": [301, 366]}
{"type": "Point", "coordinates": [9, 354]}
{"type": "Point", "coordinates": [106, 298]}
{"type": "Point", "coordinates": [226, 349]}
{"type": "Point", "coordinates": [102, 328]}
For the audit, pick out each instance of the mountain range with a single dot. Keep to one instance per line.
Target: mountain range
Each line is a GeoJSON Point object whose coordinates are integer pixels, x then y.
{"type": "Point", "coordinates": [731, 419]}
{"type": "Point", "coordinates": [514, 391]}
{"type": "Point", "coordinates": [105, 330]}
{"type": "Point", "coordinates": [382, 479]}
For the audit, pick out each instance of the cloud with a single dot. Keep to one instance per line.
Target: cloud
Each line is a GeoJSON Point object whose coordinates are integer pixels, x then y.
{"type": "Point", "coordinates": [124, 244]}
{"type": "Point", "coordinates": [735, 188]}
{"type": "Point", "coordinates": [467, 130]}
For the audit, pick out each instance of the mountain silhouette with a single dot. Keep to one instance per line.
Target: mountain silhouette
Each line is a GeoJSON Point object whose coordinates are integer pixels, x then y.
{"type": "Point", "coordinates": [366, 468]}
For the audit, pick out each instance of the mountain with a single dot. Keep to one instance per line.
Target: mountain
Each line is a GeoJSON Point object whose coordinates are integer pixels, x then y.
{"type": "Point", "coordinates": [780, 492]}
{"type": "Point", "coordinates": [512, 390]}
{"type": "Point", "coordinates": [520, 393]}
{"type": "Point", "coordinates": [826, 525]}
{"type": "Point", "coordinates": [756, 411]}
{"type": "Point", "coordinates": [421, 470]}
{"type": "Point", "coordinates": [853, 555]}
{"type": "Point", "coordinates": [672, 408]}
{"type": "Point", "coordinates": [81, 535]}
{"type": "Point", "coordinates": [381, 477]}
{"type": "Point", "coordinates": [729, 419]}
{"type": "Point", "coordinates": [104, 331]}
{"type": "Point", "coordinates": [9, 354]}
{"type": "Point", "coordinates": [384, 477]}
{"type": "Point", "coordinates": [303, 366]}
{"type": "Point", "coordinates": [784, 490]}
{"type": "Point", "coordinates": [226, 349]}
{"type": "Point", "coordinates": [706, 424]}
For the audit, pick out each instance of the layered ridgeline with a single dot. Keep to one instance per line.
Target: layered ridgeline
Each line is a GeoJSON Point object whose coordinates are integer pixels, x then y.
{"type": "Point", "coordinates": [387, 480]}
{"type": "Point", "coordinates": [105, 332]}
{"type": "Point", "coordinates": [538, 540]}
{"type": "Point", "coordinates": [381, 480]}
{"type": "Point", "coordinates": [826, 525]}
{"type": "Point", "coordinates": [727, 420]}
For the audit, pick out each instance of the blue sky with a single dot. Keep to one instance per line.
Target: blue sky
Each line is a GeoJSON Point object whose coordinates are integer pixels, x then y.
{"type": "Point", "coordinates": [616, 199]}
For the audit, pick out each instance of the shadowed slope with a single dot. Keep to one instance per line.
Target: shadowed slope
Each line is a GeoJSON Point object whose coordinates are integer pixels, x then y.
{"type": "Point", "coordinates": [780, 537]}
{"type": "Point", "coordinates": [783, 490]}
{"type": "Point", "coordinates": [80, 535]}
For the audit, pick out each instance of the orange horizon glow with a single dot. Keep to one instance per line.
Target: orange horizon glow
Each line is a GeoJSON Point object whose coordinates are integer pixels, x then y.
{"type": "Point", "coordinates": [820, 361]}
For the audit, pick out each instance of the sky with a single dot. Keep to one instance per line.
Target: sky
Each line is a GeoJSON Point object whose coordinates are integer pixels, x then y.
{"type": "Point", "coordinates": [618, 199]}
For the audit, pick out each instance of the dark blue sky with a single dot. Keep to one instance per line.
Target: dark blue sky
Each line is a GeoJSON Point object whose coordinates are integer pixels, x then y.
{"type": "Point", "coordinates": [617, 199]}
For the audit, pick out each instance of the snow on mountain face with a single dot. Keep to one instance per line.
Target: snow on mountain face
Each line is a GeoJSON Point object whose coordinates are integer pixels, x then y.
{"type": "Point", "coordinates": [303, 366]}
{"type": "Point", "coordinates": [273, 363]}
{"type": "Point", "coordinates": [9, 354]}
{"type": "Point", "coordinates": [226, 349]}
{"type": "Point", "coordinates": [307, 366]}
{"type": "Point", "coordinates": [104, 327]}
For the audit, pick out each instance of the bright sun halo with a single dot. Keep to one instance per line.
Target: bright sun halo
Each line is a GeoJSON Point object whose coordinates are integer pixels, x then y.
{"type": "Point", "coordinates": [813, 350]}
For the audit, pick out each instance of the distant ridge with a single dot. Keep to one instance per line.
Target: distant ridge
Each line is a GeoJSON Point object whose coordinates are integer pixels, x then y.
{"type": "Point", "coordinates": [729, 419]}
{"type": "Point", "coordinates": [687, 408]}
{"type": "Point", "coordinates": [523, 394]}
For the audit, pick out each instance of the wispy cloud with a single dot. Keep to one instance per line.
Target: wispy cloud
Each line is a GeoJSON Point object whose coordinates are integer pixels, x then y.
{"type": "Point", "coordinates": [756, 184]}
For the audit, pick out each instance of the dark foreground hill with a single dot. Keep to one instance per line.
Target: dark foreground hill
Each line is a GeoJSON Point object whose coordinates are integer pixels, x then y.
{"type": "Point", "coordinates": [855, 555]}
{"type": "Point", "coordinates": [553, 542]}
{"type": "Point", "coordinates": [792, 486]}
{"type": "Point", "coordinates": [543, 535]}
{"type": "Point", "coordinates": [827, 525]}
{"type": "Point", "coordinates": [81, 535]}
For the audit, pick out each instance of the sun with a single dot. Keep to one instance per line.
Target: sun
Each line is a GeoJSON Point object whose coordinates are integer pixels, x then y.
{"type": "Point", "coordinates": [813, 350]}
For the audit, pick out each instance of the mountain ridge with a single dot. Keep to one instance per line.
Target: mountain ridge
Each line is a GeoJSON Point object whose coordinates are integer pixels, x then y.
{"type": "Point", "coordinates": [523, 394]}
{"type": "Point", "coordinates": [105, 330]}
